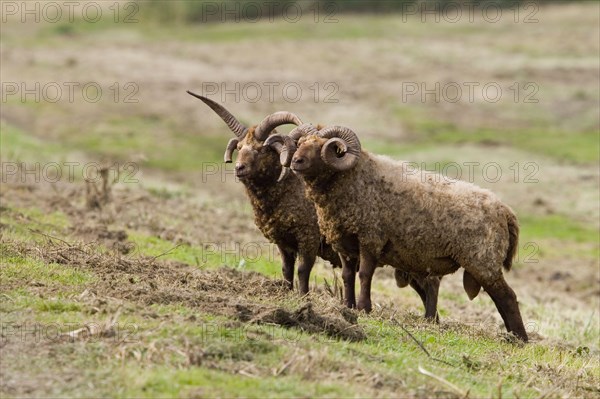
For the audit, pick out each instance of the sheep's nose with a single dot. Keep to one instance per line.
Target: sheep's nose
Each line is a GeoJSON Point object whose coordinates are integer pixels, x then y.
{"type": "Point", "coordinates": [239, 167]}
{"type": "Point", "coordinates": [298, 160]}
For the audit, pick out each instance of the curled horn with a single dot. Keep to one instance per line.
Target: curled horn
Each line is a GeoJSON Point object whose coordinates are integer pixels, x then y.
{"type": "Point", "coordinates": [272, 121]}
{"type": "Point", "coordinates": [286, 146]}
{"type": "Point", "coordinates": [281, 144]}
{"type": "Point", "coordinates": [302, 130]}
{"type": "Point", "coordinates": [236, 127]}
{"type": "Point", "coordinates": [290, 142]}
{"type": "Point", "coordinates": [231, 146]}
{"type": "Point", "coordinates": [342, 150]}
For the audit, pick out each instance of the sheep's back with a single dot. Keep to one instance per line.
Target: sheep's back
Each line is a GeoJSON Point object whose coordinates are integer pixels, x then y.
{"type": "Point", "coordinates": [411, 215]}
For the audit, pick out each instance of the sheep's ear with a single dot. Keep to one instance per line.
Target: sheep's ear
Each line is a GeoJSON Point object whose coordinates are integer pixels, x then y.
{"type": "Point", "coordinates": [472, 286]}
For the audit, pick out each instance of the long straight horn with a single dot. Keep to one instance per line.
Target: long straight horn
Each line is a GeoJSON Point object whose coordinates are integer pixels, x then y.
{"type": "Point", "coordinates": [272, 121]}
{"type": "Point", "coordinates": [236, 127]}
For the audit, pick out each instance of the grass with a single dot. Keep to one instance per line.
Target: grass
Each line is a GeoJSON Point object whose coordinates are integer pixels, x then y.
{"type": "Point", "coordinates": [478, 362]}
{"type": "Point", "coordinates": [579, 146]}
{"type": "Point", "coordinates": [18, 269]}
{"type": "Point", "coordinates": [259, 257]}
{"type": "Point", "coordinates": [153, 24]}
{"type": "Point", "coordinates": [557, 227]}
{"type": "Point", "coordinates": [175, 349]}
{"type": "Point", "coordinates": [555, 237]}
{"type": "Point", "coordinates": [161, 141]}
{"type": "Point", "coordinates": [198, 381]}
{"type": "Point", "coordinates": [121, 139]}
{"type": "Point", "coordinates": [25, 223]}
{"type": "Point", "coordinates": [19, 146]}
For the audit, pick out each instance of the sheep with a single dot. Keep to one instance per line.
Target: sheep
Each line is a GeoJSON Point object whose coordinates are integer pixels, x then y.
{"type": "Point", "coordinates": [283, 213]}
{"type": "Point", "coordinates": [418, 224]}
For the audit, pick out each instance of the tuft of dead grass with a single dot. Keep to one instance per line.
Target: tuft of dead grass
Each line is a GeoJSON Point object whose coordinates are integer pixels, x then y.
{"type": "Point", "coordinates": [247, 296]}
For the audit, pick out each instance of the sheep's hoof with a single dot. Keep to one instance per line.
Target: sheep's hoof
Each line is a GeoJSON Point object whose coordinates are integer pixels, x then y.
{"type": "Point", "coordinates": [366, 306]}
{"type": "Point", "coordinates": [435, 319]}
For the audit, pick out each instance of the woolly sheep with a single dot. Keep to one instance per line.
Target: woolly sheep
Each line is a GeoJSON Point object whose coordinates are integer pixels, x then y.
{"type": "Point", "coordinates": [281, 210]}
{"type": "Point", "coordinates": [418, 224]}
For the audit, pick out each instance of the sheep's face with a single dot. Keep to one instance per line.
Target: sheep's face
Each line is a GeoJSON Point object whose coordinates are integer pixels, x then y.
{"type": "Point", "coordinates": [307, 159]}
{"type": "Point", "coordinates": [254, 161]}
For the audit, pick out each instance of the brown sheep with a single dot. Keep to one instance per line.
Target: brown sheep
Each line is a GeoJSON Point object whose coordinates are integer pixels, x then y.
{"type": "Point", "coordinates": [417, 224]}
{"type": "Point", "coordinates": [281, 210]}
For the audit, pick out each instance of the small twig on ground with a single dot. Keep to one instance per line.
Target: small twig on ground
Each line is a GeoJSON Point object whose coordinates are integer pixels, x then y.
{"type": "Point", "coordinates": [420, 344]}
{"type": "Point", "coordinates": [277, 372]}
{"type": "Point", "coordinates": [457, 390]}
{"type": "Point", "coordinates": [247, 374]}
{"type": "Point", "coordinates": [166, 252]}
{"type": "Point", "coordinates": [7, 297]}
{"type": "Point", "coordinates": [50, 237]}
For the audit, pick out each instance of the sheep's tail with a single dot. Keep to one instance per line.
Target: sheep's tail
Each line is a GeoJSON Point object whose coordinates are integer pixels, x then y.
{"type": "Point", "coordinates": [513, 239]}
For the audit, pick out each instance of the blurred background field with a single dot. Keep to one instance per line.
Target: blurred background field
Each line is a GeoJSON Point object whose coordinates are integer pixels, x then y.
{"type": "Point", "coordinates": [524, 122]}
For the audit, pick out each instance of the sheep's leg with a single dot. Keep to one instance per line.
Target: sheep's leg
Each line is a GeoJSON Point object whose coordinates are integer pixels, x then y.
{"type": "Point", "coordinates": [431, 286]}
{"type": "Point", "coordinates": [349, 277]}
{"type": "Point", "coordinates": [505, 300]}
{"type": "Point", "coordinates": [304, 267]}
{"type": "Point", "coordinates": [420, 290]}
{"type": "Point", "coordinates": [368, 263]}
{"type": "Point", "coordinates": [288, 259]}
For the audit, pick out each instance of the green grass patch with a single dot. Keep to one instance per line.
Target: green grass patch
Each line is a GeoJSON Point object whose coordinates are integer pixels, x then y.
{"type": "Point", "coordinates": [24, 224]}
{"type": "Point", "coordinates": [572, 146]}
{"type": "Point", "coordinates": [556, 227]}
{"type": "Point", "coordinates": [161, 141]}
{"type": "Point", "coordinates": [18, 146]}
{"type": "Point", "coordinates": [30, 271]}
{"type": "Point", "coordinates": [258, 257]}
{"type": "Point", "coordinates": [204, 382]}
{"type": "Point", "coordinates": [22, 299]}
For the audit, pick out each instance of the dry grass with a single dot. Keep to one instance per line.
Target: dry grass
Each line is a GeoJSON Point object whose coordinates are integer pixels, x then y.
{"type": "Point", "coordinates": [128, 254]}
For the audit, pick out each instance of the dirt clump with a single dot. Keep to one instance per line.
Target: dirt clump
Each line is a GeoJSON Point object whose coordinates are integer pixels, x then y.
{"type": "Point", "coordinates": [307, 319]}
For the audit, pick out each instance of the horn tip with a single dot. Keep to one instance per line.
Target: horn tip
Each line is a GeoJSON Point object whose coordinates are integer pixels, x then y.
{"type": "Point", "coordinates": [191, 93]}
